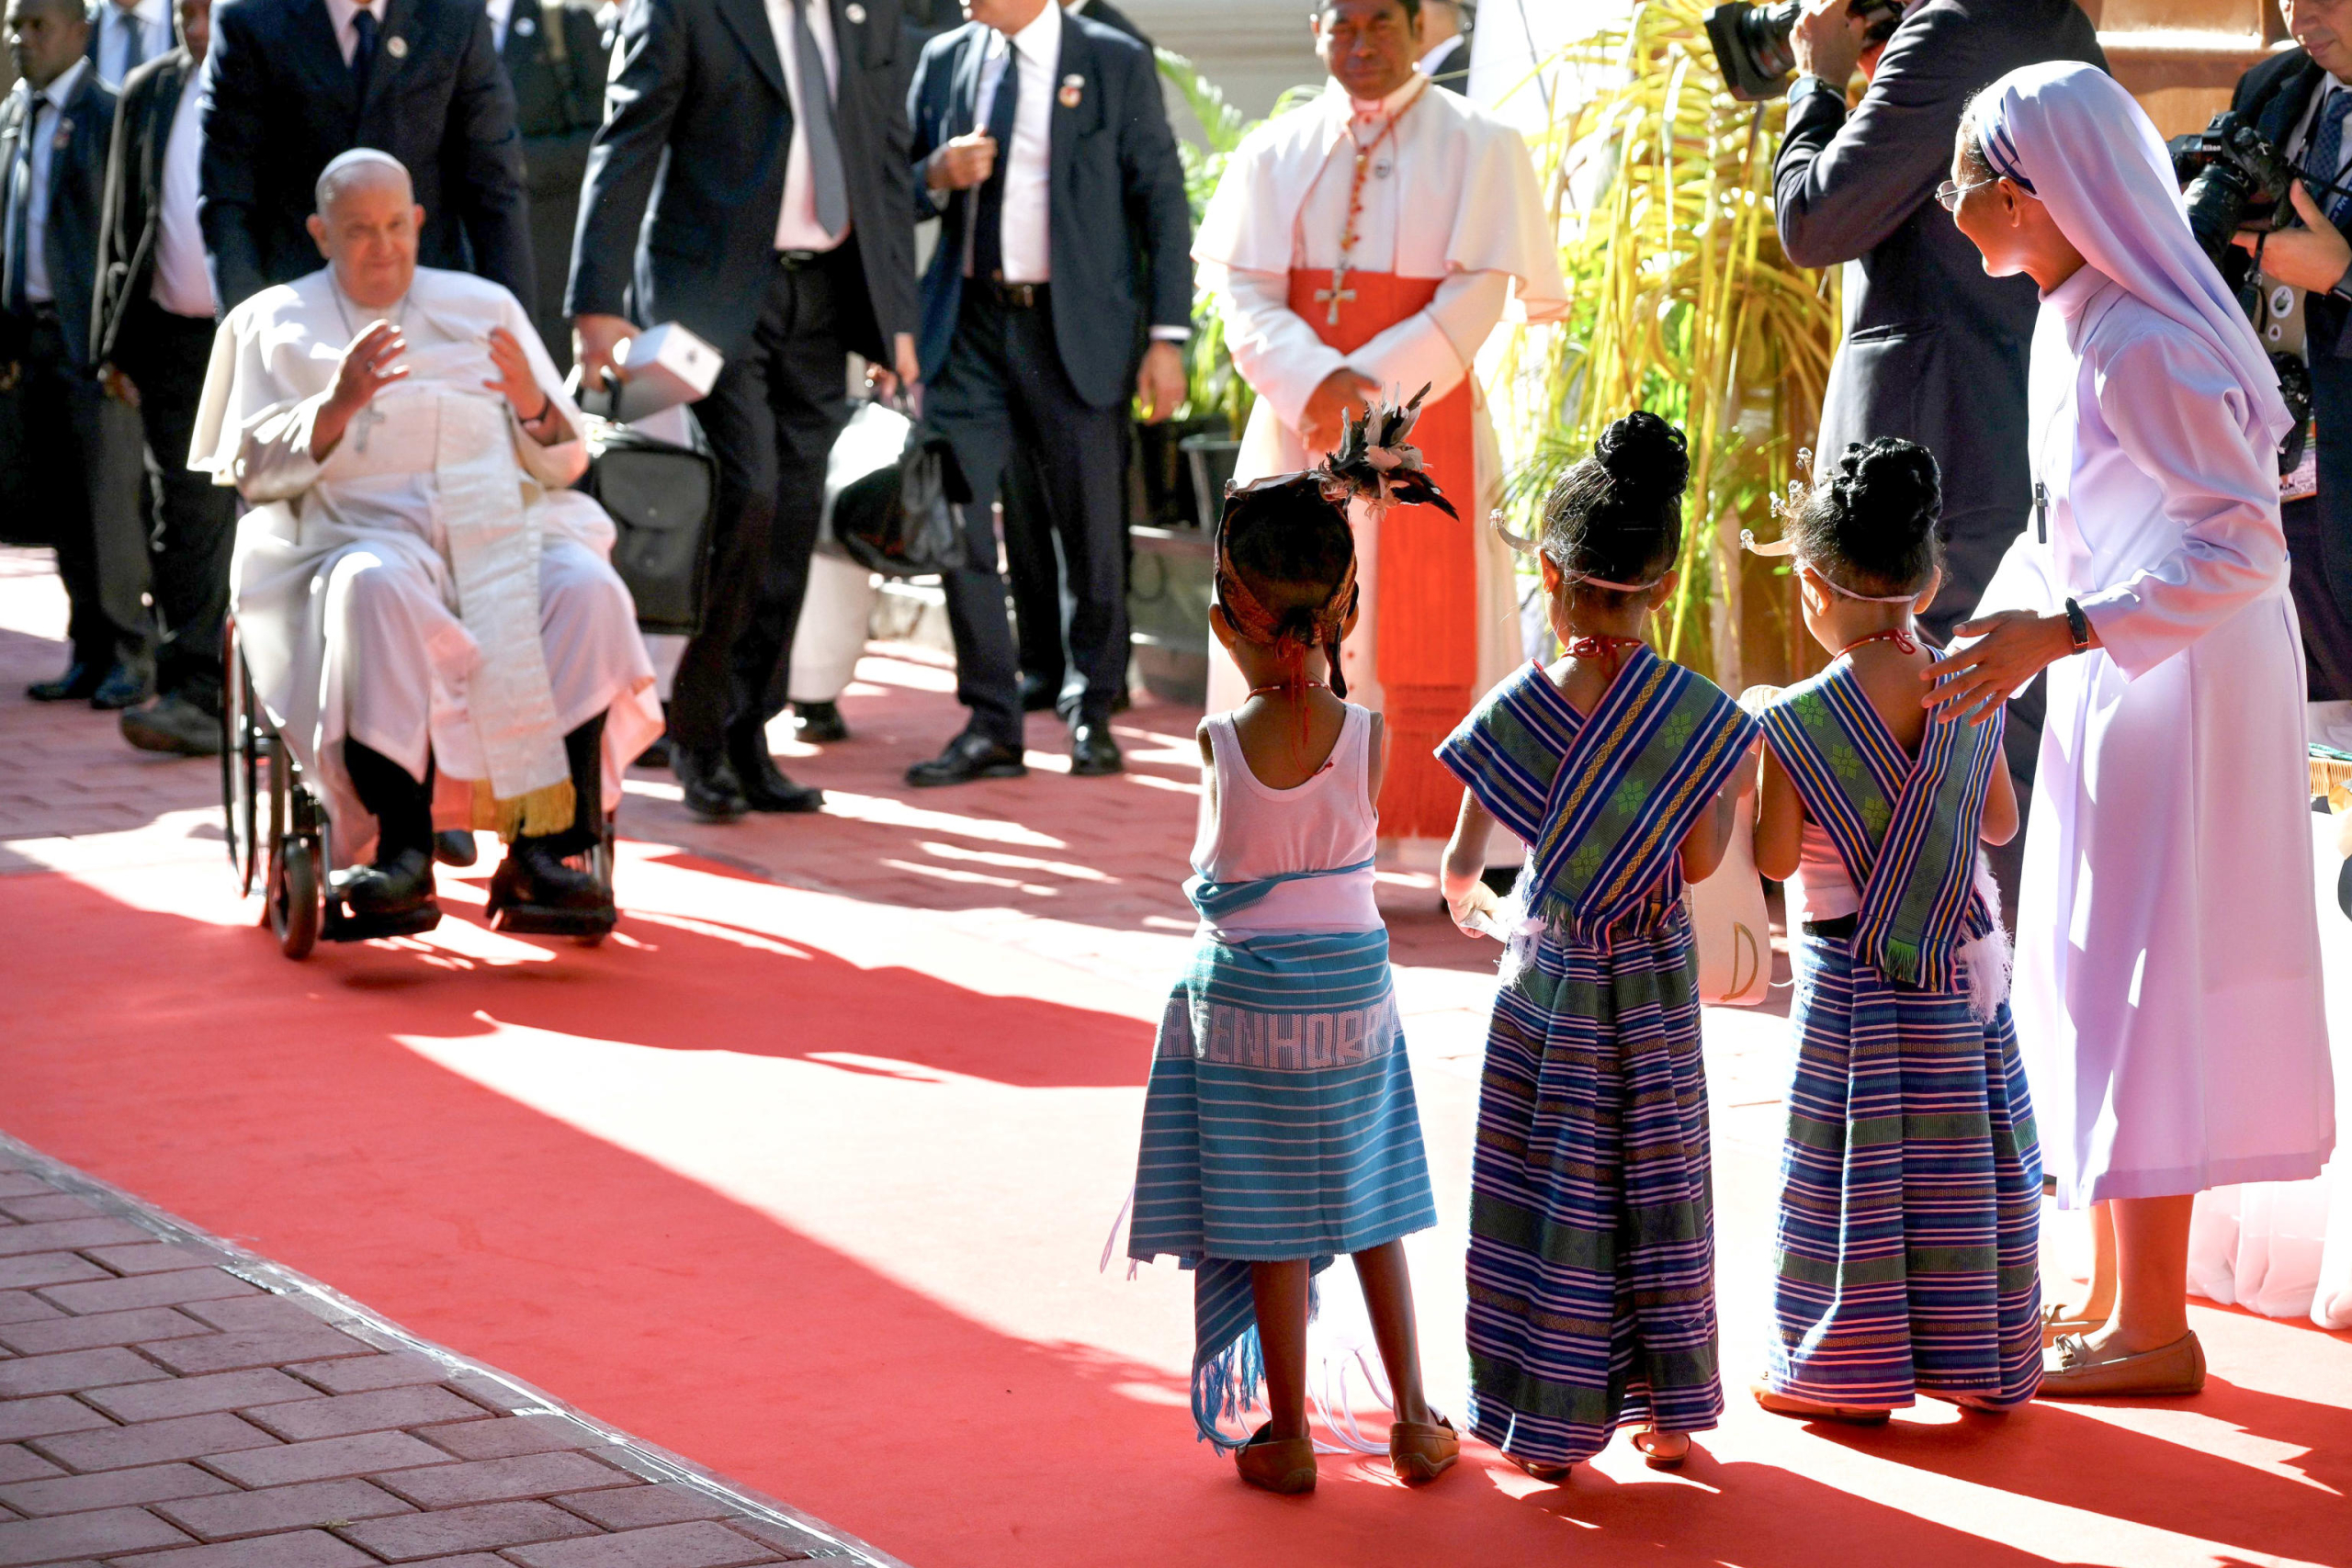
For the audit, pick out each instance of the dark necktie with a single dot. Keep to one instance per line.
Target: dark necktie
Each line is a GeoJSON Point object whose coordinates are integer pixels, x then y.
{"type": "Point", "coordinates": [988, 217]}
{"type": "Point", "coordinates": [19, 214]}
{"type": "Point", "coordinates": [815, 112]}
{"type": "Point", "coordinates": [2326, 157]}
{"type": "Point", "coordinates": [363, 54]}
{"type": "Point", "coordinates": [134, 42]}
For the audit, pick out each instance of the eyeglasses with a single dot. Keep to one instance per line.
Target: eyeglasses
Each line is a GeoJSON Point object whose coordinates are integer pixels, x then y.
{"type": "Point", "coordinates": [1948, 195]}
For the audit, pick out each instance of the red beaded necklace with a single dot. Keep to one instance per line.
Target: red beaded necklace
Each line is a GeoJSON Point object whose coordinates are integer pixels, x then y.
{"type": "Point", "coordinates": [1339, 290]}
{"type": "Point", "coordinates": [1301, 687]}
{"type": "Point", "coordinates": [1601, 646]}
{"type": "Point", "coordinates": [1899, 636]}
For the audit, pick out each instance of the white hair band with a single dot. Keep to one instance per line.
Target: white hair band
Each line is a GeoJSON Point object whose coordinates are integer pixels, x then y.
{"type": "Point", "coordinates": [1527, 547]}
{"type": "Point", "coordinates": [1785, 545]}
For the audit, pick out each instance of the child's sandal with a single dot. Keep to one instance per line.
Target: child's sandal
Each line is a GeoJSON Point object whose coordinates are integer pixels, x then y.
{"type": "Point", "coordinates": [1551, 1474]}
{"type": "Point", "coordinates": [1420, 1452]}
{"type": "Point", "coordinates": [1815, 1410]}
{"type": "Point", "coordinates": [1646, 1440]}
{"type": "Point", "coordinates": [1277, 1464]}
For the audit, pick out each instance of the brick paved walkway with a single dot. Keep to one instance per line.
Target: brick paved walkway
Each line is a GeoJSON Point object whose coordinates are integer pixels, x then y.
{"type": "Point", "coordinates": [170, 1401]}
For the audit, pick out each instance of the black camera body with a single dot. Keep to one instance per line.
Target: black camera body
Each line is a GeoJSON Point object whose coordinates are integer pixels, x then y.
{"type": "Point", "coordinates": [2230, 179]}
{"type": "Point", "coordinates": [1751, 42]}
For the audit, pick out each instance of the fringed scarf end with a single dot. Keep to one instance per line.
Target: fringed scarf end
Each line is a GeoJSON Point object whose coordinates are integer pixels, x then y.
{"type": "Point", "coordinates": [535, 813]}
{"type": "Point", "coordinates": [1226, 1386]}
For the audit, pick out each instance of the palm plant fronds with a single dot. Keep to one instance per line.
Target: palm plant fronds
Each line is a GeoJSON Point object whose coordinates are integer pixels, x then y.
{"type": "Point", "coordinates": [1682, 303]}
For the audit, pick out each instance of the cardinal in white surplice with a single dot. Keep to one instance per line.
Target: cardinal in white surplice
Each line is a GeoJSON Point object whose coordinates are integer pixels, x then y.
{"type": "Point", "coordinates": [1367, 243]}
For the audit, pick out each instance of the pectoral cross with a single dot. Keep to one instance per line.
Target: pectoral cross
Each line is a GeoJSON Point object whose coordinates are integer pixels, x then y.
{"type": "Point", "coordinates": [1336, 292]}
{"type": "Point", "coordinates": [364, 421]}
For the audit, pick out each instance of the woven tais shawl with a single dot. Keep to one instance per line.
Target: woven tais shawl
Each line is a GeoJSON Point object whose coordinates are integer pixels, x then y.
{"type": "Point", "coordinates": [1603, 802]}
{"type": "Point", "coordinates": [1279, 1123]}
{"type": "Point", "coordinates": [1906, 830]}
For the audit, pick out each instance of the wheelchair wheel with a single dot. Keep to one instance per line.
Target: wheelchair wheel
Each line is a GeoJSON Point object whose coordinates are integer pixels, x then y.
{"type": "Point", "coordinates": [294, 897]}
{"type": "Point", "coordinates": [245, 746]}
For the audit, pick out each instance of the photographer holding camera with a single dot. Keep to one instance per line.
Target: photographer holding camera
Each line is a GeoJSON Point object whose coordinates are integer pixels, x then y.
{"type": "Point", "coordinates": [1934, 350]}
{"type": "Point", "coordinates": [2299, 102]}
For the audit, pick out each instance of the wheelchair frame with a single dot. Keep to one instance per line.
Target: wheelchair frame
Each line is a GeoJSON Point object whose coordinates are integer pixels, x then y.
{"type": "Point", "coordinates": [281, 839]}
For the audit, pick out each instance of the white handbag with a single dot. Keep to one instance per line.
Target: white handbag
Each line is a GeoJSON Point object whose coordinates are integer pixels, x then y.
{"type": "Point", "coordinates": [1728, 917]}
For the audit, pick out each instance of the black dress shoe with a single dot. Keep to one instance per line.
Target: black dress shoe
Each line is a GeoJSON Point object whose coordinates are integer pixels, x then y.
{"type": "Point", "coordinates": [456, 846]}
{"type": "Point", "coordinates": [763, 785]}
{"type": "Point", "coordinates": [820, 724]}
{"type": "Point", "coordinates": [969, 756]}
{"type": "Point", "coordinates": [125, 686]}
{"type": "Point", "coordinates": [1092, 752]}
{"type": "Point", "coordinates": [397, 887]}
{"type": "Point", "coordinates": [78, 682]}
{"type": "Point", "coordinates": [1039, 694]}
{"type": "Point", "coordinates": [173, 724]}
{"type": "Point", "coordinates": [533, 873]}
{"type": "Point", "coordinates": [712, 792]}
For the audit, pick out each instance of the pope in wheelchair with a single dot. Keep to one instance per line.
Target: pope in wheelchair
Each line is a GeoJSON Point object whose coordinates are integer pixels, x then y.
{"type": "Point", "coordinates": [426, 611]}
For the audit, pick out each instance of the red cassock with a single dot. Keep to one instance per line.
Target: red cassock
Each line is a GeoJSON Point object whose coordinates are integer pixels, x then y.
{"type": "Point", "coordinates": [1426, 584]}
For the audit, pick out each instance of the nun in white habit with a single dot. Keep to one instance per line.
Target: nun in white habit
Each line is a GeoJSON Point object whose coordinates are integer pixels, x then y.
{"type": "Point", "coordinates": [2168, 994]}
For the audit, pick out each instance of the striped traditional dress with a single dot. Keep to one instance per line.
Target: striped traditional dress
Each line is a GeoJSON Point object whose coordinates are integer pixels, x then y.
{"type": "Point", "coordinates": [1279, 1122]}
{"type": "Point", "coordinates": [1905, 1249]}
{"type": "Point", "coordinates": [1591, 1265]}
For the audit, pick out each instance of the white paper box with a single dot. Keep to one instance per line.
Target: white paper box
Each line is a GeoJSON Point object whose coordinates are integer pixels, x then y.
{"type": "Point", "coordinates": [666, 366]}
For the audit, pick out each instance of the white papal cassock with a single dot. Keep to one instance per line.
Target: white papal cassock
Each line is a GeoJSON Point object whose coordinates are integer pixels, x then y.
{"type": "Point", "coordinates": [2168, 996]}
{"type": "Point", "coordinates": [1450, 233]}
{"type": "Point", "coordinates": [347, 574]}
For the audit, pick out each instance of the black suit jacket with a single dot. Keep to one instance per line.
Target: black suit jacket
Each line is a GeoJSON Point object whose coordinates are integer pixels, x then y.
{"type": "Point", "coordinates": [698, 123]}
{"type": "Point", "coordinates": [279, 101]}
{"type": "Point", "coordinates": [1110, 17]}
{"type": "Point", "coordinates": [1934, 350]}
{"type": "Point", "coordinates": [134, 193]}
{"type": "Point", "coordinates": [2274, 94]}
{"type": "Point", "coordinates": [1452, 73]}
{"type": "Point", "coordinates": [1120, 233]}
{"type": "Point", "coordinates": [77, 174]}
{"type": "Point", "coordinates": [555, 61]}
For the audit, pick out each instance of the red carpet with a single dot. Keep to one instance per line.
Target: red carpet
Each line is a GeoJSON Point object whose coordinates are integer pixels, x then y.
{"type": "Point", "coordinates": [813, 1192]}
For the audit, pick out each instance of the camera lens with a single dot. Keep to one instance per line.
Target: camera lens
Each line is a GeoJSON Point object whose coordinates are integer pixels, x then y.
{"type": "Point", "coordinates": [2216, 200]}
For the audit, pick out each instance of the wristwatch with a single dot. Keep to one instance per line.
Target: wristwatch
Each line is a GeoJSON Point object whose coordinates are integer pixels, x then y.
{"type": "Point", "coordinates": [2078, 626]}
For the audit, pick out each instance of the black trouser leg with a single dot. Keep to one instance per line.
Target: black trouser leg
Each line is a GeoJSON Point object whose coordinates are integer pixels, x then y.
{"type": "Point", "coordinates": [967, 401]}
{"type": "Point", "coordinates": [2327, 632]}
{"type": "Point", "coordinates": [583, 748]}
{"type": "Point", "coordinates": [402, 806]}
{"type": "Point", "coordinates": [59, 401]}
{"type": "Point", "coordinates": [1078, 453]}
{"type": "Point", "coordinates": [1034, 565]}
{"type": "Point", "coordinates": [165, 357]}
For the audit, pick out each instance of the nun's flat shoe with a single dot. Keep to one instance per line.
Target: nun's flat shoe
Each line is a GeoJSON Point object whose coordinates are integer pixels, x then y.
{"type": "Point", "coordinates": [1277, 1464]}
{"type": "Point", "coordinates": [1420, 1452]}
{"type": "Point", "coordinates": [2072, 1370]}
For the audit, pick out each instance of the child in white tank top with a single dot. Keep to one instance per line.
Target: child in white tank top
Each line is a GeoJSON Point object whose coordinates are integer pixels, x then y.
{"type": "Point", "coordinates": [1280, 1128]}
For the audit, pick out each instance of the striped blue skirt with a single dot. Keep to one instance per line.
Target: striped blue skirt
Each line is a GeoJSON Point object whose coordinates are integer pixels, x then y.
{"type": "Point", "coordinates": [1906, 1249]}
{"type": "Point", "coordinates": [1279, 1124]}
{"type": "Point", "coordinates": [1592, 1243]}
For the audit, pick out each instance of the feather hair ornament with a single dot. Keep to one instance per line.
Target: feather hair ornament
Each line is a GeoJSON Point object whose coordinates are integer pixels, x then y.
{"type": "Point", "coordinates": [1376, 464]}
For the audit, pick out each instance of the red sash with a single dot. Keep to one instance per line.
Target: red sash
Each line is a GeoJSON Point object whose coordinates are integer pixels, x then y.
{"type": "Point", "coordinates": [1426, 591]}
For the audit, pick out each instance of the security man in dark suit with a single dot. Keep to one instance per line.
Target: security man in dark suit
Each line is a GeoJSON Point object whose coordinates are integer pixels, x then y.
{"type": "Point", "coordinates": [2299, 102]}
{"type": "Point", "coordinates": [554, 54]}
{"type": "Point", "coordinates": [290, 84]}
{"type": "Point", "coordinates": [1446, 42]}
{"type": "Point", "coordinates": [53, 133]}
{"type": "Point", "coordinates": [152, 325]}
{"type": "Point", "coordinates": [1040, 609]}
{"type": "Point", "coordinates": [771, 142]}
{"type": "Point", "coordinates": [1041, 140]}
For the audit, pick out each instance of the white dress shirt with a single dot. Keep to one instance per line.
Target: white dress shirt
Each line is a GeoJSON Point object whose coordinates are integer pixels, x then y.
{"type": "Point", "coordinates": [183, 283]}
{"type": "Point", "coordinates": [152, 18]}
{"type": "Point", "coordinates": [43, 124]}
{"type": "Point", "coordinates": [1026, 222]}
{"type": "Point", "coordinates": [344, 13]}
{"type": "Point", "coordinates": [797, 228]}
{"type": "Point", "coordinates": [502, 16]}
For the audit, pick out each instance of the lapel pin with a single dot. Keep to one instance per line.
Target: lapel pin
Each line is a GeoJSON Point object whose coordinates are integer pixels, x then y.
{"type": "Point", "coordinates": [65, 137]}
{"type": "Point", "coordinates": [854, 13]}
{"type": "Point", "coordinates": [397, 47]}
{"type": "Point", "coordinates": [1073, 89]}
{"type": "Point", "coordinates": [525, 26]}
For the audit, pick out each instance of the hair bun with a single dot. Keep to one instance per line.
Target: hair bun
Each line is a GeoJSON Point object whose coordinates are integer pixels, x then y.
{"type": "Point", "coordinates": [1646, 459]}
{"type": "Point", "coordinates": [1893, 479]}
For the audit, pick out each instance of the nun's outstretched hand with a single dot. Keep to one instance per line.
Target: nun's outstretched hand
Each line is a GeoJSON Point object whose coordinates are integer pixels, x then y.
{"type": "Point", "coordinates": [2011, 648]}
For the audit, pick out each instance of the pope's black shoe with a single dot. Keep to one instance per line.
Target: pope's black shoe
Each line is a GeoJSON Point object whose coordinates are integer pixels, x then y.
{"type": "Point", "coordinates": [763, 784]}
{"type": "Point", "coordinates": [820, 724]}
{"type": "Point", "coordinates": [456, 846]}
{"type": "Point", "coordinates": [533, 873]}
{"type": "Point", "coordinates": [1092, 752]}
{"type": "Point", "coordinates": [399, 887]}
{"type": "Point", "coordinates": [712, 790]}
{"type": "Point", "coordinates": [969, 756]}
{"type": "Point", "coordinates": [125, 686]}
{"type": "Point", "coordinates": [78, 682]}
